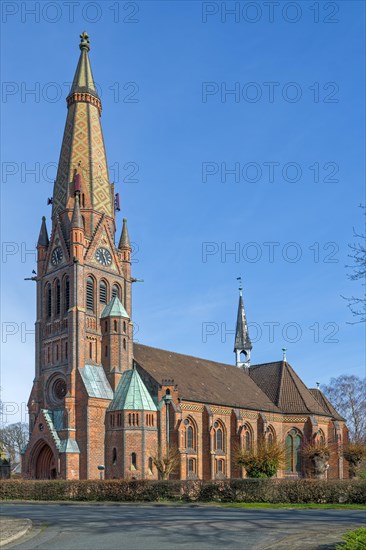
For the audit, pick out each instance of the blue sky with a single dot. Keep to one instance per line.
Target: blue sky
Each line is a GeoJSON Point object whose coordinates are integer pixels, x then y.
{"type": "Point", "coordinates": [293, 132]}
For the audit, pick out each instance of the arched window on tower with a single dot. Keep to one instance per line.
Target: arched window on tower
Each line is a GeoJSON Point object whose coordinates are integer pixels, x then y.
{"type": "Point", "coordinates": [90, 294]}
{"type": "Point", "coordinates": [103, 292]}
{"type": "Point", "coordinates": [58, 297]}
{"type": "Point", "coordinates": [293, 451]}
{"type": "Point", "coordinates": [116, 291]}
{"type": "Point", "coordinates": [49, 300]}
{"type": "Point", "coordinates": [133, 461]}
{"type": "Point", "coordinates": [66, 294]}
{"type": "Point", "coordinates": [114, 456]}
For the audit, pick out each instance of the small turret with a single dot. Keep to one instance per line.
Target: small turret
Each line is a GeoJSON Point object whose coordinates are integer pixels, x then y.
{"type": "Point", "coordinates": [124, 242]}
{"type": "Point", "coordinates": [42, 245]}
{"type": "Point", "coordinates": [77, 220]}
{"type": "Point", "coordinates": [125, 249]}
{"type": "Point", "coordinates": [243, 345]}
{"type": "Point", "coordinates": [77, 233]}
{"type": "Point", "coordinates": [43, 239]}
{"type": "Point", "coordinates": [116, 341]}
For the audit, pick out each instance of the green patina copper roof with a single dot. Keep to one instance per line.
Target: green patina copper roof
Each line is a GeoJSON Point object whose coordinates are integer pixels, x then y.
{"type": "Point", "coordinates": [132, 394]}
{"type": "Point", "coordinates": [114, 309]}
{"type": "Point", "coordinates": [95, 382]}
{"type": "Point", "coordinates": [62, 445]}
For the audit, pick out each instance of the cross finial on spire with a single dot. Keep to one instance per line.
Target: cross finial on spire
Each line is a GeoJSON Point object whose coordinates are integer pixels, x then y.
{"type": "Point", "coordinates": [240, 285]}
{"type": "Point", "coordinates": [85, 42]}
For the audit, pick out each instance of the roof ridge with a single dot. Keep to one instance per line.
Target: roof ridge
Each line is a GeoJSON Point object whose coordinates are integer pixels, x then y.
{"type": "Point", "coordinates": [201, 358]}
{"type": "Point", "coordinates": [186, 355]}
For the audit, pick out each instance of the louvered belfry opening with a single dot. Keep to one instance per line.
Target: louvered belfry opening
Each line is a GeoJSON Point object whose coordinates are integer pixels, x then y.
{"type": "Point", "coordinates": [90, 294]}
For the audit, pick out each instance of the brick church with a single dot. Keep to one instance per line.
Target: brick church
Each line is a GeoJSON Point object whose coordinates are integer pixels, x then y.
{"type": "Point", "coordinates": [101, 400]}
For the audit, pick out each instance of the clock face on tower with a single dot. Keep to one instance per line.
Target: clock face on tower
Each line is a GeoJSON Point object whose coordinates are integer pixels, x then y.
{"type": "Point", "coordinates": [103, 256]}
{"type": "Point", "coordinates": [57, 256]}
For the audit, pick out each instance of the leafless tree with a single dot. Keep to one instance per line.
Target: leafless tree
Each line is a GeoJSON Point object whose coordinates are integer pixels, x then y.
{"type": "Point", "coordinates": [13, 439]}
{"type": "Point", "coordinates": [166, 464]}
{"type": "Point", "coordinates": [357, 304]}
{"type": "Point", "coordinates": [348, 395]}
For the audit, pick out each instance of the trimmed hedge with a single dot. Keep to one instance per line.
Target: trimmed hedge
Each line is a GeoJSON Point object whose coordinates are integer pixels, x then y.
{"type": "Point", "coordinates": [235, 490]}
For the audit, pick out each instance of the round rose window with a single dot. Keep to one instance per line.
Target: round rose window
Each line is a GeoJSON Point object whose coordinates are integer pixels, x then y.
{"type": "Point", "coordinates": [59, 389]}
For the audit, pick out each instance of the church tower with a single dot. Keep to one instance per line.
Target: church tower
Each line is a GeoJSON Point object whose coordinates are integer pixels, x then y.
{"type": "Point", "coordinates": [83, 326]}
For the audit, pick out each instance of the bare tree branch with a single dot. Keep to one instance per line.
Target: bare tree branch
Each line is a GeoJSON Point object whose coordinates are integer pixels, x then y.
{"type": "Point", "coordinates": [348, 395]}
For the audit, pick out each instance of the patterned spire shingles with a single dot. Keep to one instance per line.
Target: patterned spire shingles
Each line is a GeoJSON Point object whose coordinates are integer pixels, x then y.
{"type": "Point", "coordinates": [83, 145]}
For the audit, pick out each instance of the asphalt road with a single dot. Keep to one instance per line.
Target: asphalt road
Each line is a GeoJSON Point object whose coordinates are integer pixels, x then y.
{"type": "Point", "coordinates": [154, 527]}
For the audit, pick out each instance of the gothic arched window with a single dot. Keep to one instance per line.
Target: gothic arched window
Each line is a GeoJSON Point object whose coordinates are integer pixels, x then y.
{"type": "Point", "coordinates": [116, 291]}
{"type": "Point", "coordinates": [247, 437]}
{"type": "Point", "coordinates": [114, 456]}
{"type": "Point", "coordinates": [103, 292]}
{"type": "Point", "coordinates": [190, 434]}
{"type": "Point", "coordinates": [133, 461]}
{"type": "Point", "coordinates": [220, 466]}
{"type": "Point", "coordinates": [90, 294]}
{"type": "Point", "coordinates": [192, 466]}
{"type": "Point", "coordinates": [58, 297]}
{"type": "Point", "coordinates": [293, 451]}
{"type": "Point", "coordinates": [219, 439]}
{"type": "Point", "coordinates": [219, 436]}
{"type": "Point", "coordinates": [271, 435]}
{"type": "Point", "coordinates": [66, 294]}
{"type": "Point", "coordinates": [49, 300]}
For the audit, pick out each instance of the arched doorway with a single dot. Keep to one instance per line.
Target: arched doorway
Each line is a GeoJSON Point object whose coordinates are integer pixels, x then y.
{"type": "Point", "coordinates": [45, 464]}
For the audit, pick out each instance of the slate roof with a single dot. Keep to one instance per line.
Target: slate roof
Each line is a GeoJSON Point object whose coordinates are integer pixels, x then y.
{"type": "Point", "coordinates": [202, 380]}
{"type": "Point", "coordinates": [283, 386]}
{"type": "Point", "coordinates": [114, 309]}
{"type": "Point", "coordinates": [242, 340]}
{"type": "Point", "coordinates": [325, 403]}
{"type": "Point", "coordinates": [95, 382]}
{"type": "Point", "coordinates": [132, 394]}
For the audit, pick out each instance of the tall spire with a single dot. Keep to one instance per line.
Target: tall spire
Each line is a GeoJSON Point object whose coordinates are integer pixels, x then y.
{"type": "Point", "coordinates": [43, 239]}
{"type": "Point", "coordinates": [83, 146]}
{"type": "Point", "coordinates": [242, 340]}
{"type": "Point", "coordinates": [124, 241]}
